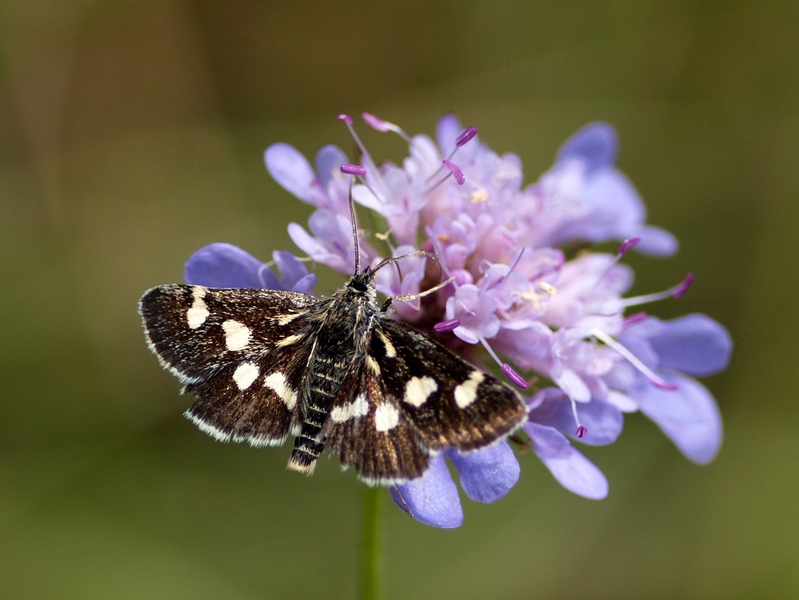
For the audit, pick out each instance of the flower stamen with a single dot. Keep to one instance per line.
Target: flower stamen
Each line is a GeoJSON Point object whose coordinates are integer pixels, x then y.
{"type": "Point", "coordinates": [517, 379]}
{"type": "Point", "coordinates": [356, 170]}
{"type": "Point", "coordinates": [633, 319]}
{"type": "Point", "coordinates": [501, 280]}
{"type": "Point", "coordinates": [675, 292]}
{"type": "Point", "coordinates": [365, 156]}
{"type": "Point", "coordinates": [547, 288]}
{"type": "Point", "coordinates": [625, 246]}
{"type": "Point", "coordinates": [384, 126]}
{"type": "Point", "coordinates": [478, 196]}
{"type": "Point", "coordinates": [581, 429]}
{"type": "Point", "coordinates": [632, 359]}
{"type": "Point", "coordinates": [453, 171]}
{"type": "Point", "coordinates": [448, 325]}
{"type": "Point", "coordinates": [463, 138]}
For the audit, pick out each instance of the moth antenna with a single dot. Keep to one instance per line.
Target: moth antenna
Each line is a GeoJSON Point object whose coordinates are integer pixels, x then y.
{"type": "Point", "coordinates": [354, 231]}
{"type": "Point", "coordinates": [427, 292]}
{"type": "Point", "coordinates": [359, 172]}
{"type": "Point", "coordinates": [425, 253]}
{"type": "Point", "coordinates": [432, 290]}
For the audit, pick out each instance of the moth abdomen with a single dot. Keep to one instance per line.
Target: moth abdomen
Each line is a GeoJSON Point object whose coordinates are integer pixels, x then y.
{"type": "Point", "coordinates": [325, 376]}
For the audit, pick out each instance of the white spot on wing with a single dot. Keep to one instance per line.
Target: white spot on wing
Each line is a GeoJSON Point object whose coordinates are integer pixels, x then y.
{"type": "Point", "coordinates": [278, 384]}
{"type": "Point", "coordinates": [357, 408]}
{"type": "Point", "coordinates": [288, 341]}
{"type": "Point", "coordinates": [391, 352]}
{"type": "Point", "coordinates": [466, 393]}
{"type": "Point", "coordinates": [341, 413]}
{"type": "Point", "coordinates": [386, 417]}
{"type": "Point", "coordinates": [418, 390]}
{"type": "Point", "coordinates": [360, 407]}
{"type": "Point", "coordinates": [245, 374]}
{"type": "Point", "coordinates": [198, 312]}
{"type": "Point", "coordinates": [237, 335]}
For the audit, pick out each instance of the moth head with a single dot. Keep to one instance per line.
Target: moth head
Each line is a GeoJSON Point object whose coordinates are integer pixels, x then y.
{"type": "Point", "coordinates": [362, 282]}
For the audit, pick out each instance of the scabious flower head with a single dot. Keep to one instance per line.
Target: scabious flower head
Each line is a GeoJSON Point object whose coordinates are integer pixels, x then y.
{"type": "Point", "coordinates": [521, 295]}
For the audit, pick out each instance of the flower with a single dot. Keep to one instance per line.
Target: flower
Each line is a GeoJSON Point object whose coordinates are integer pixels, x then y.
{"type": "Point", "coordinates": [226, 266]}
{"type": "Point", "coordinates": [223, 265]}
{"type": "Point", "coordinates": [519, 294]}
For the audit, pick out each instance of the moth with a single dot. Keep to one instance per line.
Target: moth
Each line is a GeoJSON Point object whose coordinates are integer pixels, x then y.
{"type": "Point", "coordinates": [336, 373]}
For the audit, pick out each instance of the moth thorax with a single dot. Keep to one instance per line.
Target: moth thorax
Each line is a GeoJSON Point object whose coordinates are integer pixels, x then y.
{"type": "Point", "coordinates": [361, 289]}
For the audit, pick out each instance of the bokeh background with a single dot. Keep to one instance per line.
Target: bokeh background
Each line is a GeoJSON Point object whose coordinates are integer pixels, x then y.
{"type": "Point", "coordinates": [132, 133]}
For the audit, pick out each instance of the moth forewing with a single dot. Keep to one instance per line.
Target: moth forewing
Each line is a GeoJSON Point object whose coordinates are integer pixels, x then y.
{"type": "Point", "coordinates": [233, 356]}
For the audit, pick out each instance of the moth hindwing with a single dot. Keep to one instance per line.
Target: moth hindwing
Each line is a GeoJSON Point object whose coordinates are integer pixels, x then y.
{"type": "Point", "coordinates": [335, 372]}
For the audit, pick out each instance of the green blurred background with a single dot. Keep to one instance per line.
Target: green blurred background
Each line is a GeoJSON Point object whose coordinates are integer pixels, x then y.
{"type": "Point", "coordinates": [132, 133]}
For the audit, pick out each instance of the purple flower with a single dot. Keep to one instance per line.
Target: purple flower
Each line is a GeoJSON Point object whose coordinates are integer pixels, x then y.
{"type": "Point", "coordinates": [516, 289]}
{"type": "Point", "coordinates": [226, 266]}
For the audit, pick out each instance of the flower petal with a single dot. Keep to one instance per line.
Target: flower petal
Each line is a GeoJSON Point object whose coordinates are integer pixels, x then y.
{"type": "Point", "coordinates": [488, 474]}
{"type": "Point", "coordinates": [572, 470]}
{"type": "Point", "coordinates": [328, 161]}
{"type": "Point", "coordinates": [293, 273]}
{"type": "Point", "coordinates": [694, 344]}
{"type": "Point", "coordinates": [432, 499]}
{"type": "Point", "coordinates": [656, 241]}
{"type": "Point", "coordinates": [623, 402]}
{"type": "Point", "coordinates": [305, 285]}
{"type": "Point", "coordinates": [226, 266]}
{"type": "Point", "coordinates": [447, 131]}
{"type": "Point", "coordinates": [596, 144]}
{"type": "Point", "coordinates": [316, 249]}
{"type": "Point", "coordinates": [602, 420]}
{"type": "Point", "coordinates": [290, 169]}
{"type": "Point", "coordinates": [572, 384]}
{"type": "Point", "coordinates": [688, 415]}
{"type": "Point", "coordinates": [366, 197]}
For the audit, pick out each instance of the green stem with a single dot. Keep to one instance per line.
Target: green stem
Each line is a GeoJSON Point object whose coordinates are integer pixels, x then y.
{"type": "Point", "coordinates": [371, 550]}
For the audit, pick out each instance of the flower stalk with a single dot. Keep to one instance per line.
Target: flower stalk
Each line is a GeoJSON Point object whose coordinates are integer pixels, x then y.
{"type": "Point", "coordinates": [371, 572]}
